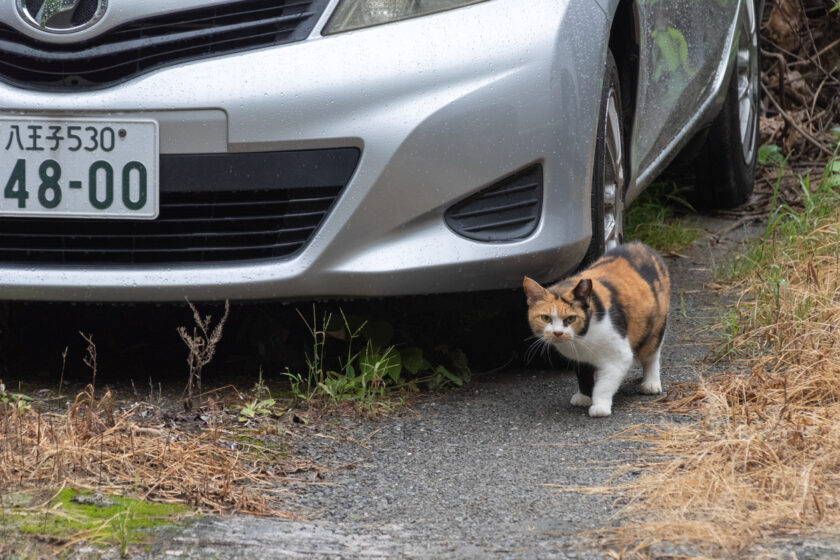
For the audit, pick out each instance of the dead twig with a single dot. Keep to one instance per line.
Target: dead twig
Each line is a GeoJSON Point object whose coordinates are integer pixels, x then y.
{"type": "Point", "coordinates": [90, 359]}
{"type": "Point", "coordinates": [201, 345]}
{"type": "Point", "coordinates": [807, 136]}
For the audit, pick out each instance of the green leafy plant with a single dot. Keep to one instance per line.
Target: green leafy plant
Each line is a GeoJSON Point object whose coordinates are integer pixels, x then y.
{"type": "Point", "coordinates": [369, 366]}
{"type": "Point", "coordinates": [255, 408]}
{"type": "Point", "coordinates": [831, 176]}
{"type": "Point", "coordinates": [259, 404]}
{"type": "Point", "coordinates": [771, 154]}
{"type": "Point", "coordinates": [298, 384]}
{"type": "Point", "coordinates": [18, 401]}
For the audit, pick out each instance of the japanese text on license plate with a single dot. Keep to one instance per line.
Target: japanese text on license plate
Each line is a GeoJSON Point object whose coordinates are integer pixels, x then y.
{"type": "Point", "coordinates": [78, 168]}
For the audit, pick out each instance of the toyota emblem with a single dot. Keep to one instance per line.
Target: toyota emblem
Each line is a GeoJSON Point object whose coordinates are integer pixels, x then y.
{"type": "Point", "coordinates": [61, 16]}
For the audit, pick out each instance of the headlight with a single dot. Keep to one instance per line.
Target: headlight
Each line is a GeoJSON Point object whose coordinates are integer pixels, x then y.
{"type": "Point", "coordinates": [355, 14]}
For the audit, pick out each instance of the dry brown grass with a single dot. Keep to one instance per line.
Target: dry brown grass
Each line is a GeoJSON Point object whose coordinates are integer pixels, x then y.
{"type": "Point", "coordinates": [94, 446]}
{"type": "Point", "coordinates": [761, 457]}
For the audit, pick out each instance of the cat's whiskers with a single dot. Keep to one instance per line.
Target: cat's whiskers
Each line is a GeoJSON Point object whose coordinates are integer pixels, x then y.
{"type": "Point", "coordinates": [537, 346]}
{"type": "Point", "coordinates": [546, 351]}
{"type": "Point", "coordinates": [575, 352]}
{"type": "Point", "coordinates": [585, 344]}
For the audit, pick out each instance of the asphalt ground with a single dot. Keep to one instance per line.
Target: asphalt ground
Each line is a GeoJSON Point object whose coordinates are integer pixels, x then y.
{"type": "Point", "coordinates": [475, 472]}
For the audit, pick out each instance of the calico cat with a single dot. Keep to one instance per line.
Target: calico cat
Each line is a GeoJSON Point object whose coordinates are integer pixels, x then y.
{"type": "Point", "coordinates": [604, 317]}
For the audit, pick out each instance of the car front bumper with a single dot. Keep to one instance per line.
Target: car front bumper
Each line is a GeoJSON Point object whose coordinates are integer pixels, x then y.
{"type": "Point", "coordinates": [440, 107]}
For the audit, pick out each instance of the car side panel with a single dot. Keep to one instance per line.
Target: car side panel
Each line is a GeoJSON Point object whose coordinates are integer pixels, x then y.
{"type": "Point", "coordinates": [681, 46]}
{"type": "Point", "coordinates": [684, 54]}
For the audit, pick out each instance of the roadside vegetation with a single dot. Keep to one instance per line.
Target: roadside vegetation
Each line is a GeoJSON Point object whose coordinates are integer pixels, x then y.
{"type": "Point", "coordinates": [367, 366]}
{"type": "Point", "coordinates": [760, 456]}
{"type": "Point", "coordinates": [657, 218]}
{"type": "Point", "coordinates": [754, 458]}
{"type": "Point", "coordinates": [102, 474]}
{"type": "Point", "coordinates": [96, 467]}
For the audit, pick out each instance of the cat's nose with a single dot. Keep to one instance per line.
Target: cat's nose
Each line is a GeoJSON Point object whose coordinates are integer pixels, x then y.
{"type": "Point", "coordinates": [558, 333]}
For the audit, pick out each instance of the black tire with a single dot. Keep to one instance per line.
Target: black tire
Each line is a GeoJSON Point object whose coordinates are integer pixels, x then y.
{"type": "Point", "coordinates": [725, 164]}
{"type": "Point", "coordinates": [609, 168]}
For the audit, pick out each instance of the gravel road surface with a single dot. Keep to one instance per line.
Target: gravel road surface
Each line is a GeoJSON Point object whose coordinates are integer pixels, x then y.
{"type": "Point", "coordinates": [469, 475]}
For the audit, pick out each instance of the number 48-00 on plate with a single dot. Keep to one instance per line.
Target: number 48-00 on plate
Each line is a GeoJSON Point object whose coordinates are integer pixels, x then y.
{"type": "Point", "coordinates": [78, 168]}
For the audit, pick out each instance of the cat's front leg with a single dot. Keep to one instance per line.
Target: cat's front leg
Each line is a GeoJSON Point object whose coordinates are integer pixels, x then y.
{"type": "Point", "coordinates": [586, 380]}
{"type": "Point", "coordinates": [607, 381]}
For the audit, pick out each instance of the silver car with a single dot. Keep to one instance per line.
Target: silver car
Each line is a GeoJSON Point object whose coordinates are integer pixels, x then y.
{"type": "Point", "coordinates": [258, 149]}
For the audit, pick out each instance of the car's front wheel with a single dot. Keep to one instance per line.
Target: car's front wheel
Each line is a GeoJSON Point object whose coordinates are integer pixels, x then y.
{"type": "Point", "coordinates": [608, 177]}
{"type": "Point", "coordinates": [725, 165]}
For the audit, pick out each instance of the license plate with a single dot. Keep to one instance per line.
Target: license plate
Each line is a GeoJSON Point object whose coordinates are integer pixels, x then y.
{"type": "Point", "coordinates": [79, 168]}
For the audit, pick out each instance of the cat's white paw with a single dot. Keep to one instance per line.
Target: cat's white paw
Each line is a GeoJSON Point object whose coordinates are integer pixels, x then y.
{"type": "Point", "coordinates": [651, 387]}
{"type": "Point", "coordinates": [600, 410]}
{"type": "Point", "coordinates": [579, 399]}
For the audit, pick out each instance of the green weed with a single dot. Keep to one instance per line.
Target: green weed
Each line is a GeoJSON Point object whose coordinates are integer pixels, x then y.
{"type": "Point", "coordinates": [771, 154]}
{"type": "Point", "coordinates": [369, 366]}
{"type": "Point", "coordinates": [255, 408]}
{"type": "Point", "coordinates": [259, 404]}
{"type": "Point", "coordinates": [730, 328]}
{"type": "Point", "coordinates": [790, 229]}
{"type": "Point", "coordinates": [652, 218]}
{"type": "Point", "coordinates": [18, 401]}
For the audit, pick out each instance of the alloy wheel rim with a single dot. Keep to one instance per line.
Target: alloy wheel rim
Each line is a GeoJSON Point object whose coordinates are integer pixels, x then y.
{"type": "Point", "coordinates": [747, 76]}
{"type": "Point", "coordinates": [613, 176]}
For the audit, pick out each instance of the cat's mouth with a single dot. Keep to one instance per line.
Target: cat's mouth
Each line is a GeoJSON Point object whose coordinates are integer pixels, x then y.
{"type": "Point", "coordinates": [559, 337]}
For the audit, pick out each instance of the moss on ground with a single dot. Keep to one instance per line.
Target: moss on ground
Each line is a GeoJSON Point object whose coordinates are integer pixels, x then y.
{"type": "Point", "coordinates": [73, 516]}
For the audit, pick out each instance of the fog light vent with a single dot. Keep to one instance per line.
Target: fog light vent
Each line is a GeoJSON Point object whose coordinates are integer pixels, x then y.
{"type": "Point", "coordinates": [505, 211]}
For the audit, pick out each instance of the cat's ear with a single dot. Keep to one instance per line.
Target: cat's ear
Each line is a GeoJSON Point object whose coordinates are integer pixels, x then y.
{"type": "Point", "coordinates": [533, 290]}
{"type": "Point", "coordinates": [583, 291]}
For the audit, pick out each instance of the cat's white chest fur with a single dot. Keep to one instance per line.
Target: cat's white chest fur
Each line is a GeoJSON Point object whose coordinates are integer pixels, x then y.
{"type": "Point", "coordinates": [605, 348]}
{"type": "Point", "coordinates": [601, 346]}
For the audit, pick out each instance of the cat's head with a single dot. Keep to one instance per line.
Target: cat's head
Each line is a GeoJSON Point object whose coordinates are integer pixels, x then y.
{"type": "Point", "coordinates": [561, 313]}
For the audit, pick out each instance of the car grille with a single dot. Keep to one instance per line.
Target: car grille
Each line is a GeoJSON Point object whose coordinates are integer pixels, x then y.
{"type": "Point", "coordinates": [505, 211]}
{"type": "Point", "coordinates": [150, 43]}
{"type": "Point", "coordinates": [213, 208]}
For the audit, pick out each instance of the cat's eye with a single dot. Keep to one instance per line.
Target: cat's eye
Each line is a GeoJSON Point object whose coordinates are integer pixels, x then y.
{"type": "Point", "coordinates": [545, 318]}
{"type": "Point", "coordinates": [569, 320]}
